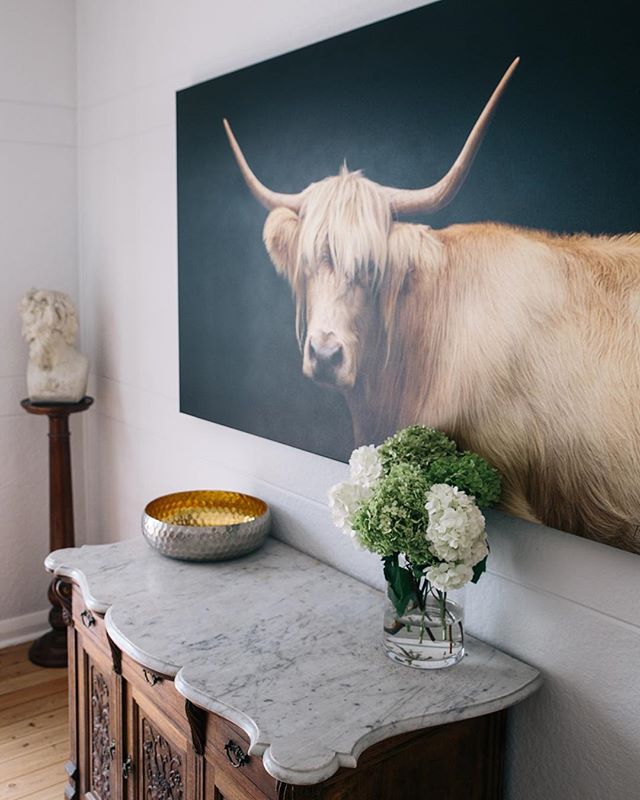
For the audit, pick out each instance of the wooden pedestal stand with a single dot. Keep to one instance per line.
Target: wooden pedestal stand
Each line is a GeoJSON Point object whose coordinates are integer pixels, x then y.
{"type": "Point", "coordinates": [50, 650]}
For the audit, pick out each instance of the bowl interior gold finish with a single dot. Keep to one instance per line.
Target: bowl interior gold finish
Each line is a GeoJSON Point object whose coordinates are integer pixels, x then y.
{"type": "Point", "coordinates": [206, 508]}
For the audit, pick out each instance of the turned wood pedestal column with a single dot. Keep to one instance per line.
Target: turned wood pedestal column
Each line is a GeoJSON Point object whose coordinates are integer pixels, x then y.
{"type": "Point", "coordinates": [50, 650]}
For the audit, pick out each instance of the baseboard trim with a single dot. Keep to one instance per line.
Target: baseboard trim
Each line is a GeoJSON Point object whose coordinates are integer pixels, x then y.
{"type": "Point", "coordinates": [22, 629]}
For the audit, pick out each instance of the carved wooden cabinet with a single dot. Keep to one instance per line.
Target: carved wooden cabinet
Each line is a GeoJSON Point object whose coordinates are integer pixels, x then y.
{"type": "Point", "coordinates": [135, 737]}
{"type": "Point", "coordinates": [320, 731]}
{"type": "Point", "coordinates": [131, 736]}
{"type": "Point", "coordinates": [158, 759]}
{"type": "Point", "coordinates": [98, 710]}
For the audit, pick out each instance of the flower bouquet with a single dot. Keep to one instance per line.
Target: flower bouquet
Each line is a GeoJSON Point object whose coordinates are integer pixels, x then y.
{"type": "Point", "coordinates": [414, 500]}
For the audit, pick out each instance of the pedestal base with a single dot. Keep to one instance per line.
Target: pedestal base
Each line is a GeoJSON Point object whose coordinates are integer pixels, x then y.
{"type": "Point", "coordinates": [50, 650]}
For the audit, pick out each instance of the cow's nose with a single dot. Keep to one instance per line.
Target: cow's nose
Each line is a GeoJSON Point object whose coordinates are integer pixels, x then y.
{"type": "Point", "coordinates": [326, 355]}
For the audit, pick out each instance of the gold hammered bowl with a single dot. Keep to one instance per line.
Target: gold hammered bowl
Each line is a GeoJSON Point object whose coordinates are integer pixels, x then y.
{"type": "Point", "coordinates": [206, 525]}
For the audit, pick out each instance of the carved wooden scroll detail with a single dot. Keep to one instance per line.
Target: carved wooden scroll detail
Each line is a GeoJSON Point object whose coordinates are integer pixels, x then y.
{"type": "Point", "coordinates": [61, 591]}
{"type": "Point", "coordinates": [101, 750]}
{"type": "Point", "coordinates": [162, 768]}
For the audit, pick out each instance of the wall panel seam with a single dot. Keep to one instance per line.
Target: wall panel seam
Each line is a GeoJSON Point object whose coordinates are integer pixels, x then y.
{"type": "Point", "coordinates": [125, 136]}
{"type": "Point", "coordinates": [142, 389]}
{"type": "Point", "coordinates": [31, 104]}
{"type": "Point", "coordinates": [160, 438]}
{"type": "Point", "coordinates": [43, 143]}
{"type": "Point", "coordinates": [540, 590]}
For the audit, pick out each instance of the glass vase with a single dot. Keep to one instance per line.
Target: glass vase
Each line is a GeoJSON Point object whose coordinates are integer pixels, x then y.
{"type": "Point", "coordinates": [428, 637]}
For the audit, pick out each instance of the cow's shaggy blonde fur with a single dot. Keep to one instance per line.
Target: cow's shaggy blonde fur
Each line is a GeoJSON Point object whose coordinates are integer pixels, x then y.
{"type": "Point", "coordinates": [522, 345]}
{"type": "Point", "coordinates": [348, 219]}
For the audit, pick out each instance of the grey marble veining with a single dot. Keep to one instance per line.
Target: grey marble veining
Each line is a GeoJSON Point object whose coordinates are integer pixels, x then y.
{"type": "Point", "coordinates": [287, 648]}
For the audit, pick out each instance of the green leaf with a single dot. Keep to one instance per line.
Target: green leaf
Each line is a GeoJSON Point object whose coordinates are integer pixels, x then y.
{"type": "Point", "coordinates": [479, 568]}
{"type": "Point", "coordinates": [400, 584]}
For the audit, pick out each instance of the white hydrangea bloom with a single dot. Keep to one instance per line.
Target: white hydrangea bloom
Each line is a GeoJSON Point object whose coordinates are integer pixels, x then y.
{"type": "Point", "coordinates": [365, 466]}
{"type": "Point", "coordinates": [478, 551]}
{"type": "Point", "coordinates": [456, 529]}
{"type": "Point", "coordinates": [344, 500]}
{"type": "Point", "coordinates": [449, 576]}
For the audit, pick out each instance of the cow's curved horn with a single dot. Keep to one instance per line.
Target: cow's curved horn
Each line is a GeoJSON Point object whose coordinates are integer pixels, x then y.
{"type": "Point", "coordinates": [413, 201]}
{"type": "Point", "coordinates": [263, 194]}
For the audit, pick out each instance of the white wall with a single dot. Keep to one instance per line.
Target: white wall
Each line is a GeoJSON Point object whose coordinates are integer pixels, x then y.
{"type": "Point", "coordinates": [38, 236]}
{"type": "Point", "coordinates": [568, 606]}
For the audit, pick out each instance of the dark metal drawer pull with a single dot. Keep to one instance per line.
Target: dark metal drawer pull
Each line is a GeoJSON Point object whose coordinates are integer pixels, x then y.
{"type": "Point", "coordinates": [236, 755]}
{"type": "Point", "coordinates": [151, 678]}
{"type": "Point", "coordinates": [112, 749]}
{"type": "Point", "coordinates": [87, 618]}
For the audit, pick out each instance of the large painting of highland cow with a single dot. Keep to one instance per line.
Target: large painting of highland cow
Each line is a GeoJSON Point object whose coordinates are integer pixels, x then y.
{"type": "Point", "coordinates": [430, 220]}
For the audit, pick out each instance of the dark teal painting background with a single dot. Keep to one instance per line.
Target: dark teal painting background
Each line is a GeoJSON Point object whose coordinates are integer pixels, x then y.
{"type": "Point", "coordinates": [397, 100]}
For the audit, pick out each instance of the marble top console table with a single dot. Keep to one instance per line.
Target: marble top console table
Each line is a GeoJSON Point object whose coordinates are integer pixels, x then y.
{"type": "Point", "coordinates": [260, 678]}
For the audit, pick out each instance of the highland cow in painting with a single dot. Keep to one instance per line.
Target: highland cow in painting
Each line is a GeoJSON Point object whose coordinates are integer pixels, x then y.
{"type": "Point", "coordinates": [522, 345]}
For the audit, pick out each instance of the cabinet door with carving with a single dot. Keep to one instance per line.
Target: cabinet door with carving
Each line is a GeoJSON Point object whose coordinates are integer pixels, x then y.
{"type": "Point", "coordinates": [159, 763]}
{"type": "Point", "coordinates": [99, 718]}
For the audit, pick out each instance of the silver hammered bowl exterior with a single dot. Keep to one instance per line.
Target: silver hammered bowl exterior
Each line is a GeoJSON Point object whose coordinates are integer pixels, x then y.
{"type": "Point", "coordinates": [206, 543]}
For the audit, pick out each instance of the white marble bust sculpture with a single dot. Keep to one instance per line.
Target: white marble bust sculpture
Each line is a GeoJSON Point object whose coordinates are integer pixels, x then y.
{"type": "Point", "coordinates": [57, 372]}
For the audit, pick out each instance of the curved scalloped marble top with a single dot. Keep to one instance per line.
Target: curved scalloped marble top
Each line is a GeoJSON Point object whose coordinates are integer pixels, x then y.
{"type": "Point", "coordinates": [287, 648]}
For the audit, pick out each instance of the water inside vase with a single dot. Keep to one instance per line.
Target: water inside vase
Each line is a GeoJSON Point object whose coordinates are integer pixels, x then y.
{"type": "Point", "coordinates": [429, 639]}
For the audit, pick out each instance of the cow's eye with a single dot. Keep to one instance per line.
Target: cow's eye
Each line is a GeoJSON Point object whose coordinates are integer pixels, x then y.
{"type": "Point", "coordinates": [366, 275]}
{"type": "Point", "coordinates": [326, 259]}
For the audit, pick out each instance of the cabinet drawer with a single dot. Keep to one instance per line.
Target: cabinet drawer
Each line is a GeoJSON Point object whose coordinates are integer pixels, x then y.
{"type": "Point", "coordinates": [230, 787]}
{"type": "Point", "coordinates": [87, 621]}
{"type": "Point", "coordinates": [227, 749]}
{"type": "Point", "coordinates": [158, 688]}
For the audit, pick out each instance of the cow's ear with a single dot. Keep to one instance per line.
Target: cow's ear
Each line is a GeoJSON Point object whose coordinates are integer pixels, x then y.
{"type": "Point", "coordinates": [280, 236]}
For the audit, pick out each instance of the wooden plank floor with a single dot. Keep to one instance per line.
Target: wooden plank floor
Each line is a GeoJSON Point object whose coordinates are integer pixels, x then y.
{"type": "Point", "coordinates": [34, 742]}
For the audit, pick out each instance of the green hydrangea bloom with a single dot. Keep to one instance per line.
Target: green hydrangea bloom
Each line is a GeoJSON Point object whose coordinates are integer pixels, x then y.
{"type": "Point", "coordinates": [417, 445]}
{"type": "Point", "coordinates": [470, 473]}
{"type": "Point", "coordinates": [394, 519]}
